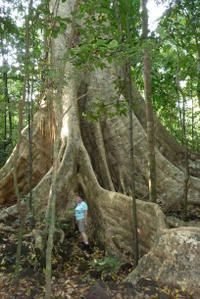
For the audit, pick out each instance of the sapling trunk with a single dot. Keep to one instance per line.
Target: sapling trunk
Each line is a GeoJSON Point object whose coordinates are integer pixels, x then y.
{"type": "Point", "coordinates": [149, 108]}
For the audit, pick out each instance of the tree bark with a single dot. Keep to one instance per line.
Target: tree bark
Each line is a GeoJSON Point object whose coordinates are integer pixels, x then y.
{"type": "Point", "coordinates": [149, 107]}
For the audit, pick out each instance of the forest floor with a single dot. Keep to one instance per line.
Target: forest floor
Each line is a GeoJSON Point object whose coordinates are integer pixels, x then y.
{"type": "Point", "coordinates": [77, 273]}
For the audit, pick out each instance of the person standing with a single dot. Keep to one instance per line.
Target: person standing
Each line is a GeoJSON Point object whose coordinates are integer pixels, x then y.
{"type": "Point", "coordinates": [81, 211]}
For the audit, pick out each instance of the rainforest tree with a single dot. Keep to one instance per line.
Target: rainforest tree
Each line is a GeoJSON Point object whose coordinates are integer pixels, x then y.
{"type": "Point", "coordinates": [80, 141]}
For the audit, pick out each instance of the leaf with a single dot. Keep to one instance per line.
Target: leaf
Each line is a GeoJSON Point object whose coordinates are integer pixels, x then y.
{"type": "Point", "coordinates": [113, 44]}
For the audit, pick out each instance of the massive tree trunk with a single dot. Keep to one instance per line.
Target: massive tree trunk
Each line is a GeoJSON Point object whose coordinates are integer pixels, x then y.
{"type": "Point", "coordinates": [94, 157]}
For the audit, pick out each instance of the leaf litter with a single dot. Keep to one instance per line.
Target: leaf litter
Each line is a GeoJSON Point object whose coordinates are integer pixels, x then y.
{"type": "Point", "coordinates": [77, 274]}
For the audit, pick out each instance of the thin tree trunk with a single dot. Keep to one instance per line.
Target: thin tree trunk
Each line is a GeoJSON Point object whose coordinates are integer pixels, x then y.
{"type": "Point", "coordinates": [5, 105]}
{"type": "Point", "coordinates": [18, 195]}
{"type": "Point", "coordinates": [51, 222]}
{"type": "Point", "coordinates": [21, 210]}
{"type": "Point", "coordinates": [10, 120]}
{"type": "Point", "coordinates": [7, 112]}
{"type": "Point", "coordinates": [185, 144]}
{"type": "Point", "coordinates": [196, 39]}
{"type": "Point", "coordinates": [132, 166]}
{"type": "Point", "coordinates": [132, 158]}
{"type": "Point", "coordinates": [30, 160]}
{"type": "Point", "coordinates": [57, 151]}
{"type": "Point", "coordinates": [149, 108]}
{"type": "Point", "coordinates": [192, 129]}
{"type": "Point", "coordinates": [198, 77]}
{"type": "Point", "coordinates": [198, 64]}
{"type": "Point", "coordinates": [180, 116]}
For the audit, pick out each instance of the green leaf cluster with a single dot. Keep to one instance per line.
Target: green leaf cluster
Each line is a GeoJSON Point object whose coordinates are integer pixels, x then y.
{"type": "Point", "coordinates": [108, 264]}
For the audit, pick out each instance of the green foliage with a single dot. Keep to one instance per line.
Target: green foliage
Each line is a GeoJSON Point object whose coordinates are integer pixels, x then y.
{"type": "Point", "coordinates": [176, 59]}
{"type": "Point", "coordinates": [14, 64]}
{"type": "Point", "coordinates": [102, 38]}
{"type": "Point", "coordinates": [106, 265]}
{"type": "Point", "coordinates": [98, 109]}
